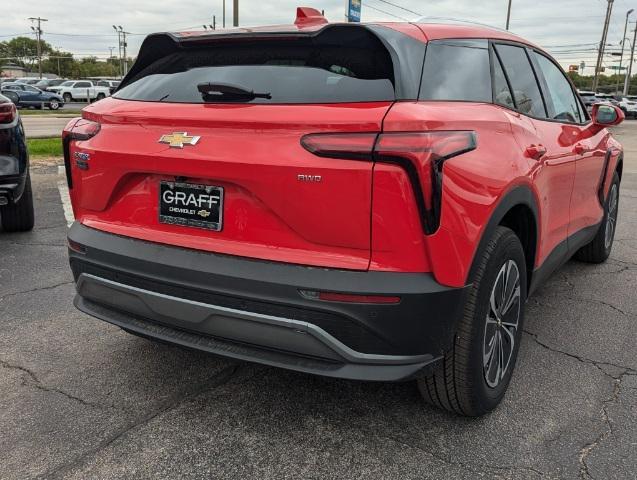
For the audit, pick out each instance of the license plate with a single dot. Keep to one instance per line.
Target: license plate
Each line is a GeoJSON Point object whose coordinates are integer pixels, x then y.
{"type": "Point", "coordinates": [190, 204]}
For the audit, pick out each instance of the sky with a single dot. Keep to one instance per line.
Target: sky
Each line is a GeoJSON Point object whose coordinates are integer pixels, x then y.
{"type": "Point", "coordinates": [569, 29]}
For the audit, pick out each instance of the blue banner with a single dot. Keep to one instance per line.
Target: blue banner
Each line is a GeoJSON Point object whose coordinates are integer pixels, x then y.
{"type": "Point", "coordinates": [354, 10]}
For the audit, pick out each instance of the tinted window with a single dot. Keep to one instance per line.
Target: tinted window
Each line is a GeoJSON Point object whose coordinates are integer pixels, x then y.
{"type": "Point", "coordinates": [501, 90]}
{"type": "Point", "coordinates": [457, 70]}
{"type": "Point", "coordinates": [561, 100]}
{"type": "Point", "coordinates": [82, 85]}
{"type": "Point", "coordinates": [102, 83]}
{"type": "Point", "coordinates": [31, 89]}
{"type": "Point", "coordinates": [298, 72]}
{"type": "Point", "coordinates": [520, 73]}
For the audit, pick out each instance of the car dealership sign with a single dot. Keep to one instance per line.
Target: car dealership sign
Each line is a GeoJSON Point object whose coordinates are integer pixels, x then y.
{"type": "Point", "coordinates": [353, 10]}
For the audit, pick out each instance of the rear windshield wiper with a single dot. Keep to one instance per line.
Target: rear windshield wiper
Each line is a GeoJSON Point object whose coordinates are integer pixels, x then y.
{"type": "Point", "coordinates": [225, 92]}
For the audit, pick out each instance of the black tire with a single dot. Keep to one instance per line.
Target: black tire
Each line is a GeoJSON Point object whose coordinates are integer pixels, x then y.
{"type": "Point", "coordinates": [67, 97]}
{"type": "Point", "coordinates": [458, 383]}
{"type": "Point", "coordinates": [54, 105]}
{"type": "Point", "coordinates": [101, 96]}
{"type": "Point", "coordinates": [19, 217]}
{"type": "Point", "coordinates": [598, 250]}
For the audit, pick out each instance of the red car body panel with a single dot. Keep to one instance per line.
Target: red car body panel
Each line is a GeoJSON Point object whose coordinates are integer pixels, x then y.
{"type": "Point", "coordinates": [270, 214]}
{"type": "Point", "coordinates": [362, 215]}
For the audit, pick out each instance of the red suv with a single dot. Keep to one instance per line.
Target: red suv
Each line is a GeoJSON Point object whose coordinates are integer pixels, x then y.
{"type": "Point", "coordinates": [369, 201]}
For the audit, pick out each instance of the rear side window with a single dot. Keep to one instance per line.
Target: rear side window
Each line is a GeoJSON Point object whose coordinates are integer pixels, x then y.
{"type": "Point", "coordinates": [561, 99]}
{"type": "Point", "coordinates": [502, 92]}
{"type": "Point", "coordinates": [526, 92]}
{"type": "Point", "coordinates": [457, 70]}
{"type": "Point", "coordinates": [302, 71]}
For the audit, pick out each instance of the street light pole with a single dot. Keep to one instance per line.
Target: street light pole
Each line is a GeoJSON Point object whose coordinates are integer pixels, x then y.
{"type": "Point", "coordinates": [509, 14]}
{"type": "Point", "coordinates": [630, 66]}
{"type": "Point", "coordinates": [235, 13]}
{"type": "Point", "coordinates": [621, 57]}
{"type": "Point", "coordinates": [602, 44]}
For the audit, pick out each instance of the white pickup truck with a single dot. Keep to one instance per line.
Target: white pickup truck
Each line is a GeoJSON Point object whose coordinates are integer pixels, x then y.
{"type": "Point", "coordinates": [80, 90]}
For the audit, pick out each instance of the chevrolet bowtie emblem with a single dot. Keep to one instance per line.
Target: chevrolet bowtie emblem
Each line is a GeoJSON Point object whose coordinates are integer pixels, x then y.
{"type": "Point", "coordinates": [179, 139]}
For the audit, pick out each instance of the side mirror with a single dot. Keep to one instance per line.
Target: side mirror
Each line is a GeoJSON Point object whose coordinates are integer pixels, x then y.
{"type": "Point", "coordinates": [605, 115]}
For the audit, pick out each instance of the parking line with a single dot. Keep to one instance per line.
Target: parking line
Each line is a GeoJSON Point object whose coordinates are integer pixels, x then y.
{"type": "Point", "coordinates": [64, 196]}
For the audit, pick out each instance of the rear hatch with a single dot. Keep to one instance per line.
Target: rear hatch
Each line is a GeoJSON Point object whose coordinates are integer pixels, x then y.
{"type": "Point", "coordinates": [186, 155]}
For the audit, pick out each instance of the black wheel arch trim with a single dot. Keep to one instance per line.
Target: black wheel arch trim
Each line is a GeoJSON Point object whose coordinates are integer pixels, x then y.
{"type": "Point", "coordinates": [518, 195]}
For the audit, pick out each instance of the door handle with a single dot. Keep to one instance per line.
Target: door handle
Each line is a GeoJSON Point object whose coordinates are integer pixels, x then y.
{"type": "Point", "coordinates": [535, 151]}
{"type": "Point", "coordinates": [579, 149]}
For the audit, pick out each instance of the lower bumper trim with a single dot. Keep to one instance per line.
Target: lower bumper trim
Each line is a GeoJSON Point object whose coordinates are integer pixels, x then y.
{"type": "Point", "coordinates": [251, 353]}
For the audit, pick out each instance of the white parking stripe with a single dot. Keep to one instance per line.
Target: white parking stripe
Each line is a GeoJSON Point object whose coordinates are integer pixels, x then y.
{"type": "Point", "coordinates": [64, 196]}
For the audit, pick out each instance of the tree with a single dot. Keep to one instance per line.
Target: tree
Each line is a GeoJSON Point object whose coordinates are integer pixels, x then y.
{"type": "Point", "coordinates": [23, 51]}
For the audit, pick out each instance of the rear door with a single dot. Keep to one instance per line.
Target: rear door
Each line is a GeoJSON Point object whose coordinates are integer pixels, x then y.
{"type": "Point", "coordinates": [551, 159]}
{"type": "Point", "coordinates": [174, 130]}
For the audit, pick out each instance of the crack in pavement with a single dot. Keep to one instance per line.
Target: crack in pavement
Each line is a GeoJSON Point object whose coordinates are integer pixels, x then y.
{"type": "Point", "coordinates": [472, 468]}
{"type": "Point", "coordinates": [589, 447]}
{"type": "Point", "coordinates": [586, 450]}
{"type": "Point", "coordinates": [37, 289]}
{"type": "Point", "coordinates": [220, 378]}
{"type": "Point", "coordinates": [37, 383]}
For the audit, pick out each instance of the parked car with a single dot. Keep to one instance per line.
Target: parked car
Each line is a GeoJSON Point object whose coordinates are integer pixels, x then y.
{"type": "Point", "coordinates": [16, 198]}
{"type": "Point", "coordinates": [111, 84]}
{"type": "Point", "coordinates": [28, 80]}
{"type": "Point", "coordinates": [24, 95]}
{"type": "Point", "coordinates": [80, 90]}
{"type": "Point", "coordinates": [353, 209]}
{"type": "Point", "coordinates": [46, 83]}
{"type": "Point", "coordinates": [628, 105]}
{"type": "Point", "coordinates": [588, 98]}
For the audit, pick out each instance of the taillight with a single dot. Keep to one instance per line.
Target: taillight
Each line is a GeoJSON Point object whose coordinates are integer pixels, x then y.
{"type": "Point", "coordinates": [353, 146]}
{"type": "Point", "coordinates": [420, 154]}
{"type": "Point", "coordinates": [76, 129]}
{"type": "Point", "coordinates": [7, 112]}
{"type": "Point", "coordinates": [80, 129]}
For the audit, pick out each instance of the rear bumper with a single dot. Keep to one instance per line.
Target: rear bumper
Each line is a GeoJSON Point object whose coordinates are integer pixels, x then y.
{"type": "Point", "coordinates": [252, 310]}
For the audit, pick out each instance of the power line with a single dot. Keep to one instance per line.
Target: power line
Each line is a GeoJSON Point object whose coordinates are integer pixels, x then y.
{"type": "Point", "coordinates": [386, 12]}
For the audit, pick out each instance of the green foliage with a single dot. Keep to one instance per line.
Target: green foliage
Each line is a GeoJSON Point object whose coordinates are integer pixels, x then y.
{"type": "Point", "coordinates": [607, 83]}
{"type": "Point", "coordinates": [45, 147]}
{"type": "Point", "coordinates": [23, 51]}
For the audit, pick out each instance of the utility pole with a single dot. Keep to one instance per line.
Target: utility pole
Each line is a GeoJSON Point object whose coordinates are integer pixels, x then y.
{"type": "Point", "coordinates": [223, 19]}
{"type": "Point", "coordinates": [123, 60]}
{"type": "Point", "coordinates": [110, 58]}
{"type": "Point", "coordinates": [124, 45]}
{"type": "Point", "coordinates": [119, 50]}
{"type": "Point", "coordinates": [602, 44]}
{"type": "Point", "coordinates": [509, 14]}
{"type": "Point", "coordinates": [630, 66]}
{"type": "Point", "coordinates": [235, 13]}
{"type": "Point", "coordinates": [621, 57]}
{"type": "Point", "coordinates": [214, 22]}
{"type": "Point", "coordinates": [38, 36]}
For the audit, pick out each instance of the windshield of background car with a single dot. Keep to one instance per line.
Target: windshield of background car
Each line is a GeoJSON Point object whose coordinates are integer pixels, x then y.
{"type": "Point", "coordinates": [303, 72]}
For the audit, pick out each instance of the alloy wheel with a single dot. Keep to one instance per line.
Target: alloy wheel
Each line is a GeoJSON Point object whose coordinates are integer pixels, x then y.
{"type": "Point", "coordinates": [501, 324]}
{"type": "Point", "coordinates": [611, 218]}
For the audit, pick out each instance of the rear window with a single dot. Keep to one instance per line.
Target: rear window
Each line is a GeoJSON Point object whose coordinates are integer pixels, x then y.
{"type": "Point", "coordinates": [457, 70]}
{"type": "Point", "coordinates": [300, 72]}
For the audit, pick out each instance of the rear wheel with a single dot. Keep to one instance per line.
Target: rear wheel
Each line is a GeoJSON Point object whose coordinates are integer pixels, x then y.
{"type": "Point", "coordinates": [67, 97]}
{"type": "Point", "coordinates": [474, 374]}
{"type": "Point", "coordinates": [54, 105]}
{"type": "Point", "coordinates": [101, 96]}
{"type": "Point", "coordinates": [19, 217]}
{"type": "Point", "coordinates": [598, 250]}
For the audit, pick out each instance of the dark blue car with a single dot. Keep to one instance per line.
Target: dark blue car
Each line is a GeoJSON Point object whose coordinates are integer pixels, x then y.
{"type": "Point", "coordinates": [16, 199]}
{"type": "Point", "coordinates": [29, 96]}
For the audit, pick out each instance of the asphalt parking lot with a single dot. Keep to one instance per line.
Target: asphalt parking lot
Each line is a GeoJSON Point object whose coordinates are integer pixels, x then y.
{"type": "Point", "coordinates": [81, 399]}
